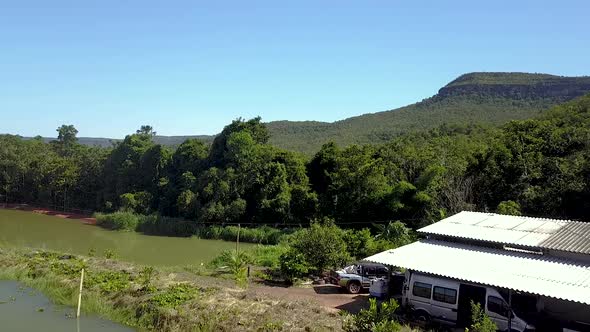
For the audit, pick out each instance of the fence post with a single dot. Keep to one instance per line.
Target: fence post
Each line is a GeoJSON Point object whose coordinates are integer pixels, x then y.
{"type": "Point", "coordinates": [80, 294]}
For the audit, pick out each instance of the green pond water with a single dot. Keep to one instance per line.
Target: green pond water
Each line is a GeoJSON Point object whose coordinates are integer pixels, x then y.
{"type": "Point", "coordinates": [28, 229]}
{"type": "Point", "coordinates": [24, 309]}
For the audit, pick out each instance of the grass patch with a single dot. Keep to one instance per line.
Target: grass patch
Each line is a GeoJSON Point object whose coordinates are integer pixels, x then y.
{"type": "Point", "coordinates": [159, 300]}
{"type": "Point", "coordinates": [174, 296]}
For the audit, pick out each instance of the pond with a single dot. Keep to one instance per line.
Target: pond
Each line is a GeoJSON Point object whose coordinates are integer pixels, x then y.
{"type": "Point", "coordinates": [29, 229]}
{"type": "Point", "coordinates": [24, 309]}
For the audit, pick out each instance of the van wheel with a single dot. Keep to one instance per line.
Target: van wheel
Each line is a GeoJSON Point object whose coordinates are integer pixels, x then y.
{"type": "Point", "coordinates": [354, 287]}
{"type": "Point", "coordinates": [422, 316]}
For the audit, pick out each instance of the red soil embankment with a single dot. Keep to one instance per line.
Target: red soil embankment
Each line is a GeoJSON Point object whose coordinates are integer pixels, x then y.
{"type": "Point", "coordinates": [86, 218]}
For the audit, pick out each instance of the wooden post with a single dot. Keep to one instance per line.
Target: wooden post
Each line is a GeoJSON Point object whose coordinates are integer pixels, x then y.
{"type": "Point", "coordinates": [238, 240]}
{"type": "Point", "coordinates": [80, 294]}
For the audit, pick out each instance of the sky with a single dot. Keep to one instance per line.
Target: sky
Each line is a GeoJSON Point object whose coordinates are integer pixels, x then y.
{"type": "Point", "coordinates": [191, 67]}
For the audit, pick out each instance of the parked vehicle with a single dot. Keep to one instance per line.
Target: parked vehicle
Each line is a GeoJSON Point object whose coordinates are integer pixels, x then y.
{"type": "Point", "coordinates": [357, 277]}
{"type": "Point", "coordinates": [449, 302]}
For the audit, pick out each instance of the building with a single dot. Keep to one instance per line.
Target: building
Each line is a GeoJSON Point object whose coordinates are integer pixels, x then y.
{"type": "Point", "coordinates": [545, 260]}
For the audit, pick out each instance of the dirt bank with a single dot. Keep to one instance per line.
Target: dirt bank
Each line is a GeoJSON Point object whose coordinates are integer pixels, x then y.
{"type": "Point", "coordinates": [84, 217]}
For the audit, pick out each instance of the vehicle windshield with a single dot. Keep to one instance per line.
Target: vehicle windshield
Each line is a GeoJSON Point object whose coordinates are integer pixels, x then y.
{"type": "Point", "coordinates": [351, 269]}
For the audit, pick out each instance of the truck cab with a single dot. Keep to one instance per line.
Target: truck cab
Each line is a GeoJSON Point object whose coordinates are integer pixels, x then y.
{"type": "Point", "coordinates": [355, 278]}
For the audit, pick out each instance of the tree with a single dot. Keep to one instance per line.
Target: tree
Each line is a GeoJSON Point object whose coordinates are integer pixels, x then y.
{"type": "Point", "coordinates": [67, 135]}
{"type": "Point", "coordinates": [146, 130]}
{"type": "Point", "coordinates": [509, 208]}
{"type": "Point", "coordinates": [322, 245]}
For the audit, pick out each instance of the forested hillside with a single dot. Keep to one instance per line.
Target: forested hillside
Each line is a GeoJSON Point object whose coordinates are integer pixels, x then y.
{"type": "Point", "coordinates": [538, 166]}
{"type": "Point", "coordinates": [475, 98]}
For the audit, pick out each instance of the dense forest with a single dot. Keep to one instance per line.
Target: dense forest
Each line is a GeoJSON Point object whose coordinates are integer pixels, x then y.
{"type": "Point", "coordinates": [539, 166]}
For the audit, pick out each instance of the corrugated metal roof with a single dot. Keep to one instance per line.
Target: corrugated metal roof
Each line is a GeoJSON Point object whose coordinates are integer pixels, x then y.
{"type": "Point", "coordinates": [574, 237]}
{"type": "Point", "coordinates": [526, 272]}
{"type": "Point", "coordinates": [565, 235]}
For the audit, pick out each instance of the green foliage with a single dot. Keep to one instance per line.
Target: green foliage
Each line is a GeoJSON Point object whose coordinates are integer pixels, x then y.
{"type": "Point", "coordinates": [108, 281]}
{"type": "Point", "coordinates": [481, 322]}
{"type": "Point", "coordinates": [146, 276]}
{"type": "Point", "coordinates": [293, 265]}
{"type": "Point", "coordinates": [395, 233]}
{"type": "Point", "coordinates": [475, 98]}
{"type": "Point", "coordinates": [268, 255]}
{"type": "Point", "coordinates": [321, 245]}
{"type": "Point", "coordinates": [509, 208]}
{"type": "Point", "coordinates": [359, 243]}
{"type": "Point", "coordinates": [538, 166]}
{"type": "Point", "coordinates": [174, 296]}
{"type": "Point", "coordinates": [377, 318]}
{"type": "Point", "coordinates": [236, 262]}
{"type": "Point", "coordinates": [138, 202]}
{"type": "Point", "coordinates": [122, 220]}
{"type": "Point", "coordinates": [110, 254]}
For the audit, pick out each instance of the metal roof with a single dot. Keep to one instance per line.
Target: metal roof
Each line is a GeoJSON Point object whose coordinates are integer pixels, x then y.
{"type": "Point", "coordinates": [542, 233]}
{"type": "Point", "coordinates": [526, 272]}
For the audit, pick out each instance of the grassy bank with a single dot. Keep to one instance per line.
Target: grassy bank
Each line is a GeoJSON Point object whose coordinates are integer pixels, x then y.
{"type": "Point", "coordinates": [159, 299]}
{"type": "Point", "coordinates": [160, 225]}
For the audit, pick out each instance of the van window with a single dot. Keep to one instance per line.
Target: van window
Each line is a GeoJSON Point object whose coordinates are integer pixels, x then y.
{"type": "Point", "coordinates": [446, 295]}
{"type": "Point", "coordinates": [369, 270]}
{"type": "Point", "coordinates": [422, 289]}
{"type": "Point", "coordinates": [498, 306]}
{"type": "Point", "coordinates": [381, 271]}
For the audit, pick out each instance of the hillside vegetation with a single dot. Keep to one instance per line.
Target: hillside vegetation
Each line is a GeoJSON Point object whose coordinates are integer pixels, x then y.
{"type": "Point", "coordinates": [538, 166]}
{"type": "Point", "coordinates": [475, 98]}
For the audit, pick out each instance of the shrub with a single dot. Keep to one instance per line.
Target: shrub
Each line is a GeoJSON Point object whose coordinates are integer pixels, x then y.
{"type": "Point", "coordinates": [121, 220]}
{"type": "Point", "coordinates": [322, 245]}
{"type": "Point", "coordinates": [261, 235]}
{"type": "Point", "coordinates": [293, 265]}
{"type": "Point", "coordinates": [358, 242]}
{"type": "Point", "coordinates": [480, 321]}
{"type": "Point", "coordinates": [145, 278]}
{"type": "Point", "coordinates": [160, 225]}
{"type": "Point", "coordinates": [268, 256]}
{"type": "Point", "coordinates": [396, 233]}
{"type": "Point", "coordinates": [236, 262]}
{"type": "Point", "coordinates": [511, 208]}
{"type": "Point", "coordinates": [375, 319]}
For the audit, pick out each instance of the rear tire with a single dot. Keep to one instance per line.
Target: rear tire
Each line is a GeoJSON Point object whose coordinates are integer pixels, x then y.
{"type": "Point", "coordinates": [422, 316]}
{"type": "Point", "coordinates": [354, 287]}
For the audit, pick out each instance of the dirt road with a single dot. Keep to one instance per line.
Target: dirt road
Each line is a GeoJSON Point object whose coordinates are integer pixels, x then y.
{"type": "Point", "coordinates": [328, 296]}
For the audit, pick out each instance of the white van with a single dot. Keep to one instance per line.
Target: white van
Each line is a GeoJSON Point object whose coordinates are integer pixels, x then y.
{"type": "Point", "coordinates": [449, 302]}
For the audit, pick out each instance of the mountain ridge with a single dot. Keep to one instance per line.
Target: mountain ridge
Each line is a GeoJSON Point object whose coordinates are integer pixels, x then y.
{"type": "Point", "coordinates": [491, 98]}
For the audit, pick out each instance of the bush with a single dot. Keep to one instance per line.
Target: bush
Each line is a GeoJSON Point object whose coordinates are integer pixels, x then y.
{"type": "Point", "coordinates": [236, 262]}
{"type": "Point", "coordinates": [358, 242]}
{"type": "Point", "coordinates": [396, 233]}
{"type": "Point", "coordinates": [511, 208]}
{"type": "Point", "coordinates": [121, 220]}
{"type": "Point", "coordinates": [322, 245]}
{"type": "Point", "coordinates": [159, 225]}
{"type": "Point", "coordinates": [293, 265]}
{"type": "Point", "coordinates": [268, 255]}
{"type": "Point", "coordinates": [260, 235]}
{"type": "Point", "coordinates": [480, 321]}
{"type": "Point", "coordinates": [375, 319]}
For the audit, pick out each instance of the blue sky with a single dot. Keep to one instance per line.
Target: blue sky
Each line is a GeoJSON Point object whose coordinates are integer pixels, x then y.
{"type": "Point", "coordinates": [190, 67]}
